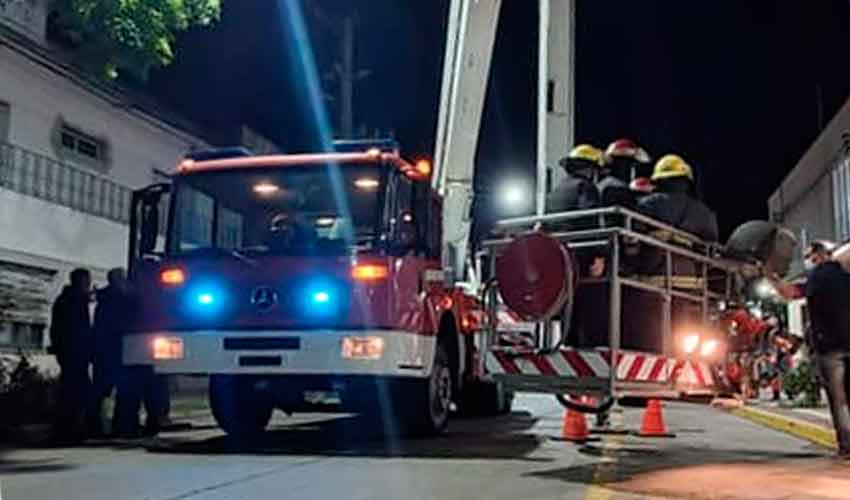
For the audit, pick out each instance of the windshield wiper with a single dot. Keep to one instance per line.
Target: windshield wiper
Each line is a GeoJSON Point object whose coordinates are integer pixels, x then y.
{"type": "Point", "coordinates": [242, 257]}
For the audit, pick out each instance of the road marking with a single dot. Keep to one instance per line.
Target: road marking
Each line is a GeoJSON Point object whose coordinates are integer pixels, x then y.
{"type": "Point", "coordinates": [814, 433]}
{"type": "Point", "coordinates": [602, 472]}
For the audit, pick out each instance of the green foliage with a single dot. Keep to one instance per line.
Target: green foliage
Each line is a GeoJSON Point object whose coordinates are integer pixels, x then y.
{"type": "Point", "coordinates": [802, 380]}
{"type": "Point", "coordinates": [28, 392]}
{"type": "Point", "coordinates": [134, 36]}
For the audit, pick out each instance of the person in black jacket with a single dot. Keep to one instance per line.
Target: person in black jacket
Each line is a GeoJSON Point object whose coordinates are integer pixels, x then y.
{"type": "Point", "coordinates": [828, 300]}
{"type": "Point", "coordinates": [577, 190]}
{"type": "Point", "coordinates": [674, 201]}
{"type": "Point", "coordinates": [72, 342]}
{"type": "Point", "coordinates": [114, 311]}
{"type": "Point", "coordinates": [623, 162]}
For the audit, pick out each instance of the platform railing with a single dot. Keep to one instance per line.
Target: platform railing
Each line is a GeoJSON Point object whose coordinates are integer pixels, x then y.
{"type": "Point", "coordinates": [610, 229]}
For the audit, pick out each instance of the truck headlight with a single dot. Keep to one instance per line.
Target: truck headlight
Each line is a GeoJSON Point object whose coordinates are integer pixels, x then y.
{"type": "Point", "coordinates": [167, 348]}
{"type": "Point", "coordinates": [362, 347]}
{"type": "Point", "coordinates": [690, 343]}
{"type": "Point", "coordinates": [708, 348]}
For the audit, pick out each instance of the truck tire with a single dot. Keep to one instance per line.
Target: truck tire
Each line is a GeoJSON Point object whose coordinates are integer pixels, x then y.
{"type": "Point", "coordinates": [426, 409]}
{"type": "Point", "coordinates": [237, 407]}
{"type": "Point", "coordinates": [486, 399]}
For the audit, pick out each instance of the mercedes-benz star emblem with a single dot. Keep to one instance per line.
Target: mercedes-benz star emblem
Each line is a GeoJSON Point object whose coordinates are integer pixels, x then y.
{"type": "Point", "coordinates": [263, 298]}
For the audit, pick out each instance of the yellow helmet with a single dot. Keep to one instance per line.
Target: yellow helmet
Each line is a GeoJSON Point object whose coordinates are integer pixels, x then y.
{"type": "Point", "coordinates": [670, 166]}
{"type": "Point", "coordinates": [587, 153]}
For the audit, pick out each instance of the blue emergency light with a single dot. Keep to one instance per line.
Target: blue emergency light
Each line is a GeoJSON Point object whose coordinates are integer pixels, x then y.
{"type": "Point", "coordinates": [206, 299]}
{"type": "Point", "coordinates": [322, 298]}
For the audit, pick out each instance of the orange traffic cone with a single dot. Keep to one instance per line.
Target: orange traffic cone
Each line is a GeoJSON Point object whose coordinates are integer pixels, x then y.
{"type": "Point", "coordinates": [575, 427]}
{"type": "Point", "coordinates": [653, 421]}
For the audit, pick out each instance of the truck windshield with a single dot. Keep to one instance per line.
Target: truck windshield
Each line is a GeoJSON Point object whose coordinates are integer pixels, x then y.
{"type": "Point", "coordinates": [280, 210]}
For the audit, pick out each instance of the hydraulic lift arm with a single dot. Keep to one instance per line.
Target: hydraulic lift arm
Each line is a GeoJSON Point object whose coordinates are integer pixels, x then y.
{"type": "Point", "coordinates": [466, 69]}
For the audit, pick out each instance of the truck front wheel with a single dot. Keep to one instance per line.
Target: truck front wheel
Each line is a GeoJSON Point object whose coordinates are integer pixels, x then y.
{"type": "Point", "coordinates": [427, 411]}
{"type": "Point", "coordinates": [239, 409]}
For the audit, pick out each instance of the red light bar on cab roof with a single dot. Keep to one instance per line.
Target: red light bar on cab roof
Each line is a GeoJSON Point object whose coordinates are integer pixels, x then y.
{"type": "Point", "coordinates": [371, 156]}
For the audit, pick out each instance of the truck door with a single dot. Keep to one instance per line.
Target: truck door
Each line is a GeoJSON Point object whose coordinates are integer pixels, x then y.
{"type": "Point", "coordinates": [148, 224]}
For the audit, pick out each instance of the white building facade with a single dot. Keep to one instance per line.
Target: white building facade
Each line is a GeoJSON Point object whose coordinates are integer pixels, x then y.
{"type": "Point", "coordinates": [814, 199]}
{"type": "Point", "coordinates": [71, 152]}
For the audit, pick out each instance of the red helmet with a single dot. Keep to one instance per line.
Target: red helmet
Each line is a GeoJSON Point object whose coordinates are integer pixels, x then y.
{"type": "Point", "coordinates": [642, 185]}
{"type": "Point", "coordinates": [627, 148]}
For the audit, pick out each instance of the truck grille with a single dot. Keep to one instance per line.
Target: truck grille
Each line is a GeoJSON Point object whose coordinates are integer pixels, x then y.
{"type": "Point", "coordinates": [262, 344]}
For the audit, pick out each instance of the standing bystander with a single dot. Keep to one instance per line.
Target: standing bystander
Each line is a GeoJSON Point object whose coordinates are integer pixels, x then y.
{"type": "Point", "coordinates": [828, 298]}
{"type": "Point", "coordinates": [112, 316]}
{"type": "Point", "coordinates": [72, 343]}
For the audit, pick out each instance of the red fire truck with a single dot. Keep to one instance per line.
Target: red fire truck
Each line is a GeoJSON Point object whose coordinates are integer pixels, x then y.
{"type": "Point", "coordinates": [283, 277]}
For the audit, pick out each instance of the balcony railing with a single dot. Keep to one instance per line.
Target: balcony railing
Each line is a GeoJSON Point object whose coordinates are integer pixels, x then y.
{"type": "Point", "coordinates": [42, 177]}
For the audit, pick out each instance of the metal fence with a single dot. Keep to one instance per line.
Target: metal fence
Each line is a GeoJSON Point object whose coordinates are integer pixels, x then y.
{"type": "Point", "coordinates": [42, 177]}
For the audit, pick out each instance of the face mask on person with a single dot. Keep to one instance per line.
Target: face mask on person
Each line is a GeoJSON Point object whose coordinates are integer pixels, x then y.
{"type": "Point", "coordinates": [809, 264]}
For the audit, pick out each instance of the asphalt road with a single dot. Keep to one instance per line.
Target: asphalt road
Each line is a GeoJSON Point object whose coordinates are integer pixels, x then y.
{"type": "Point", "coordinates": [517, 457]}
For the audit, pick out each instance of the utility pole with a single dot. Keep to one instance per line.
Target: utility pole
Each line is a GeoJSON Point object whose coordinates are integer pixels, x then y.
{"type": "Point", "coordinates": [347, 75]}
{"type": "Point", "coordinates": [346, 82]}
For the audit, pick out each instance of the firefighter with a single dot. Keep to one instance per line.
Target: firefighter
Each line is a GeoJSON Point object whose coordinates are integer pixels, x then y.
{"type": "Point", "coordinates": [674, 201]}
{"type": "Point", "coordinates": [578, 190]}
{"type": "Point", "coordinates": [623, 161]}
{"type": "Point", "coordinates": [674, 204]}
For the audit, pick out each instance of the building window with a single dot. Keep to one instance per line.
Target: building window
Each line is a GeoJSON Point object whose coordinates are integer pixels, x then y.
{"type": "Point", "coordinates": [82, 145]}
{"type": "Point", "coordinates": [5, 115]}
{"type": "Point", "coordinates": [841, 197]}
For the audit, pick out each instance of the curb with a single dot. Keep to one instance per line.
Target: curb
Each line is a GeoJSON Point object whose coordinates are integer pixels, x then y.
{"type": "Point", "coordinates": [814, 433]}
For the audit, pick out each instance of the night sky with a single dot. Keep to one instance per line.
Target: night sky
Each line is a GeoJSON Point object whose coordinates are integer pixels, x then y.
{"type": "Point", "coordinates": [730, 85]}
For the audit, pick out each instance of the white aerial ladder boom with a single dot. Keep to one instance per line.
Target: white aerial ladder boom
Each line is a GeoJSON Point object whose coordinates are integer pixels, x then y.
{"type": "Point", "coordinates": [466, 70]}
{"type": "Point", "coordinates": [555, 92]}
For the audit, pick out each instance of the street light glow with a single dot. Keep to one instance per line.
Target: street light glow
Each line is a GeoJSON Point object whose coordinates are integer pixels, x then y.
{"type": "Point", "coordinates": [514, 195]}
{"type": "Point", "coordinates": [765, 290]}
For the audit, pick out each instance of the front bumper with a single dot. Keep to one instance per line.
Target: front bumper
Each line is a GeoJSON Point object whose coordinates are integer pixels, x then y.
{"type": "Point", "coordinates": [308, 352]}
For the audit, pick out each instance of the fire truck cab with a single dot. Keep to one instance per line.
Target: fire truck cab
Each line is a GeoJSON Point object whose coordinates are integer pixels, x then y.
{"type": "Point", "coordinates": [293, 281]}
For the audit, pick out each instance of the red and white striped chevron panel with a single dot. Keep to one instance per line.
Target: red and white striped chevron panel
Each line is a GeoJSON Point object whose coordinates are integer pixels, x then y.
{"type": "Point", "coordinates": [636, 367]}
{"type": "Point", "coordinates": [564, 363]}
{"type": "Point", "coordinates": [596, 363]}
{"type": "Point", "coordinates": [693, 374]}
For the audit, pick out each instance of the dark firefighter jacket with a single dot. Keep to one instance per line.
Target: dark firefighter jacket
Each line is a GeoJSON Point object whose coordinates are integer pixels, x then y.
{"type": "Point", "coordinates": [71, 336]}
{"type": "Point", "coordinates": [112, 316]}
{"type": "Point", "coordinates": [681, 211]}
{"type": "Point", "coordinates": [613, 191]}
{"type": "Point", "coordinates": [573, 193]}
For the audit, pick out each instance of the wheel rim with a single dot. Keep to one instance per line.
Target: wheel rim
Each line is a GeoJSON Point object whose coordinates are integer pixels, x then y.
{"type": "Point", "coordinates": [441, 394]}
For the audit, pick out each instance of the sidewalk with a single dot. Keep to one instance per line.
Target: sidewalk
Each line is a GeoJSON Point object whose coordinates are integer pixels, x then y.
{"type": "Point", "coordinates": [812, 424]}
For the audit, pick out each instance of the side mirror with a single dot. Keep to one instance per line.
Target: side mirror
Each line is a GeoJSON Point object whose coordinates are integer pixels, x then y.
{"type": "Point", "coordinates": [150, 228]}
